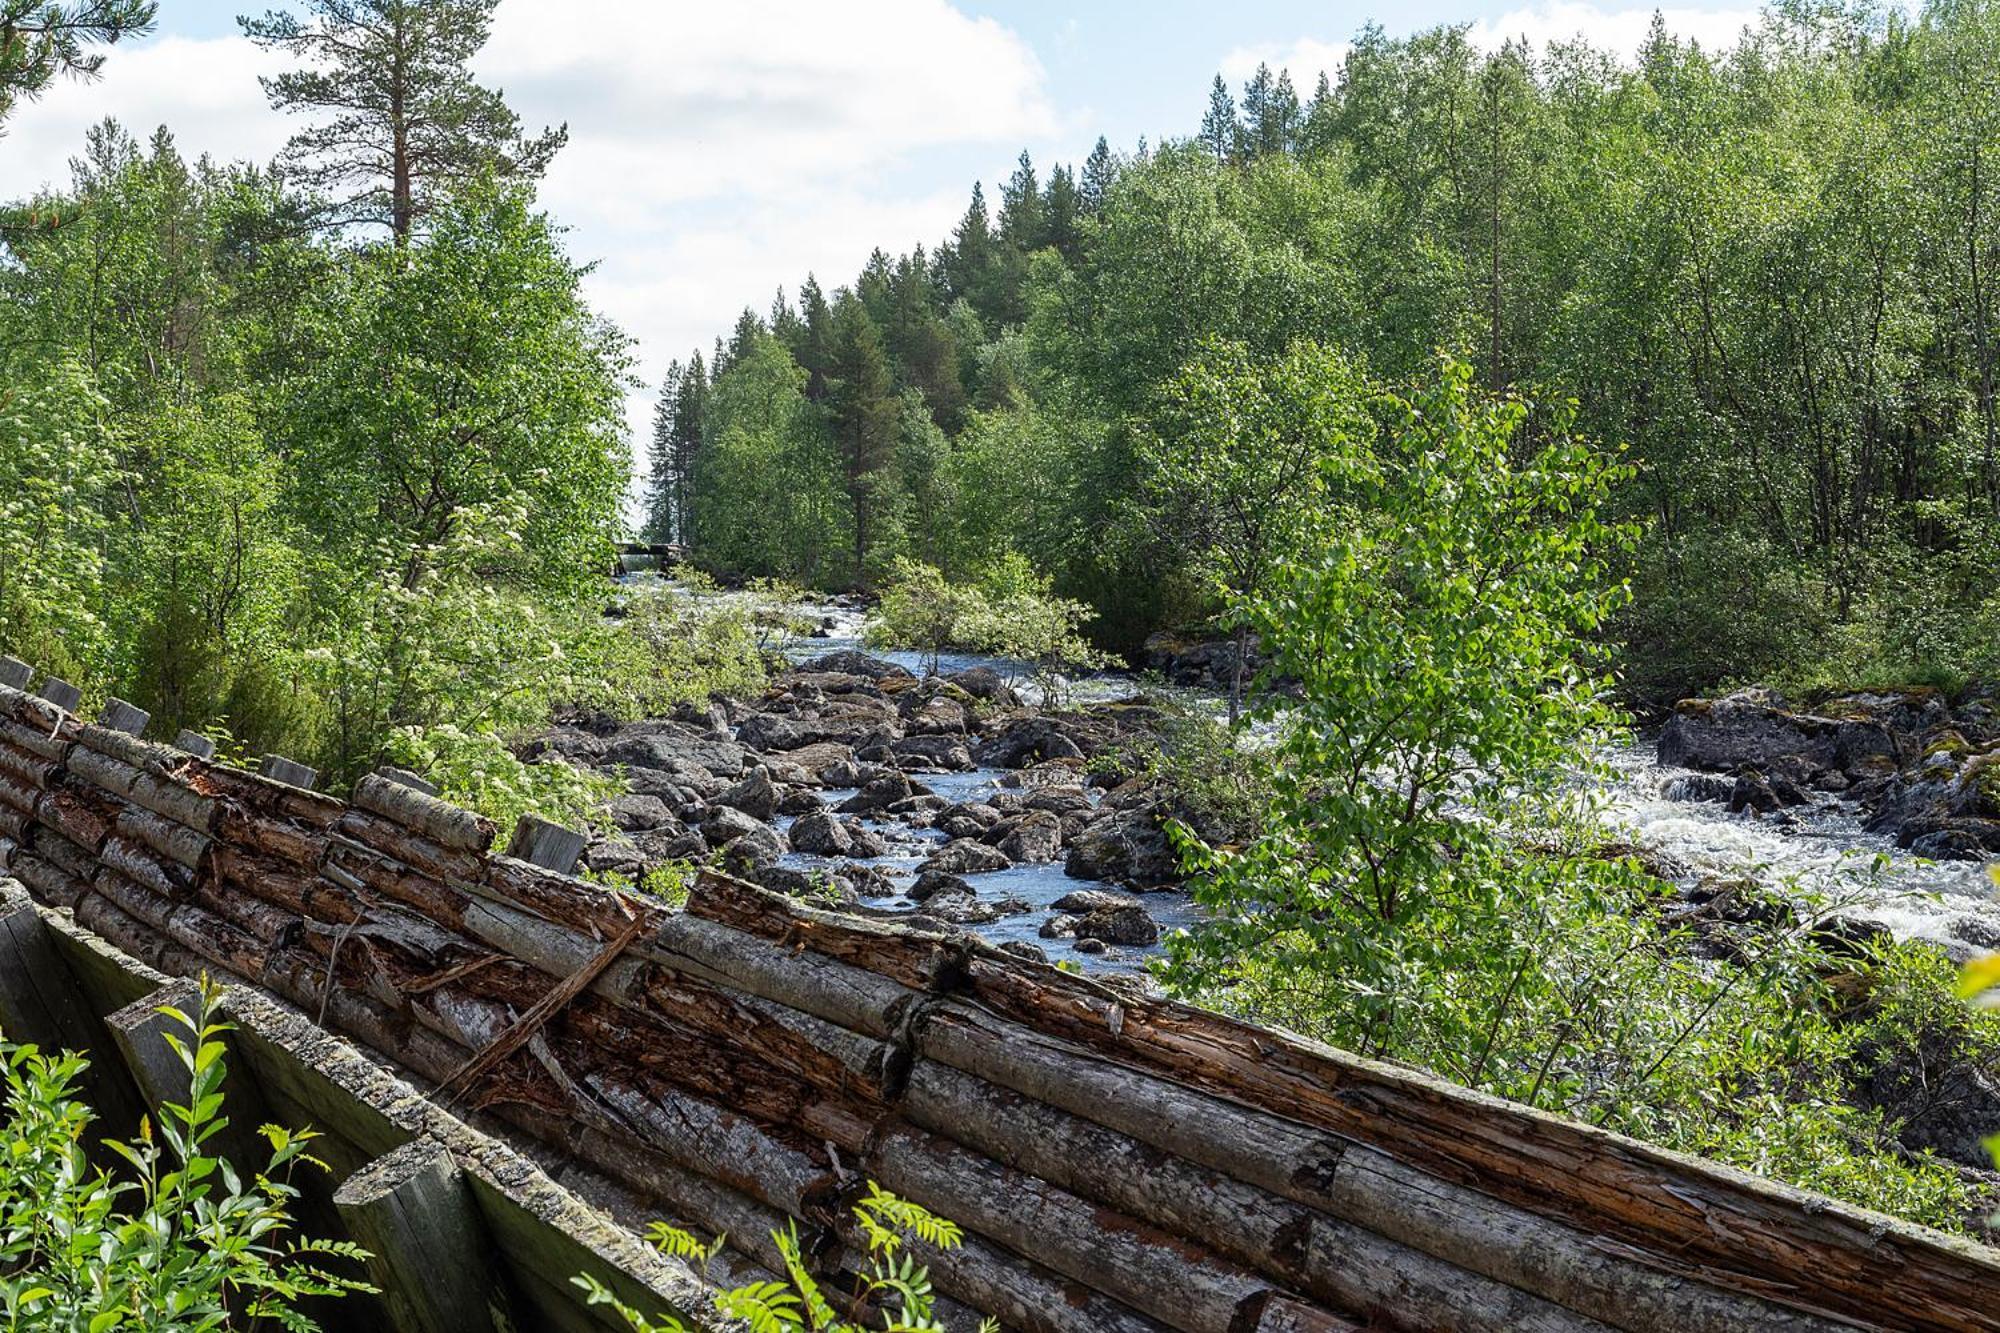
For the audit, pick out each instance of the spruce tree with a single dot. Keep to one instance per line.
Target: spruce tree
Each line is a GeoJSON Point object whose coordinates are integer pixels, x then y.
{"type": "Point", "coordinates": [407, 121]}
{"type": "Point", "coordinates": [862, 411]}
{"type": "Point", "coordinates": [1218, 127]}
{"type": "Point", "coordinates": [1281, 117]}
{"type": "Point", "coordinates": [689, 412]}
{"type": "Point", "coordinates": [1023, 215]}
{"type": "Point", "coordinates": [815, 351]}
{"type": "Point", "coordinates": [972, 258]}
{"type": "Point", "coordinates": [786, 326]}
{"type": "Point", "coordinates": [1060, 207]}
{"type": "Point", "coordinates": [1256, 110]}
{"type": "Point", "coordinates": [1100, 169]}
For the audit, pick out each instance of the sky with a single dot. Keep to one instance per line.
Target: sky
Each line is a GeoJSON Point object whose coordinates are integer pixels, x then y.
{"type": "Point", "coordinates": [720, 148]}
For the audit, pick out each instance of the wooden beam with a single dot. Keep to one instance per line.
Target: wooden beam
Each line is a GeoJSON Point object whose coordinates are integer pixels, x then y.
{"type": "Point", "coordinates": [414, 1213]}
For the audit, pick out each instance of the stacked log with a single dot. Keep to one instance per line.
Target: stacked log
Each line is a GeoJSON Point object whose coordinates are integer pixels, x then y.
{"type": "Point", "coordinates": [1117, 1162]}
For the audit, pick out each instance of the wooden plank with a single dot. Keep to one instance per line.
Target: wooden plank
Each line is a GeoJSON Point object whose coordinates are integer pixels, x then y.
{"type": "Point", "coordinates": [196, 744]}
{"type": "Point", "coordinates": [61, 693]}
{"type": "Point", "coordinates": [550, 846]}
{"type": "Point", "coordinates": [15, 674]}
{"type": "Point", "coordinates": [288, 771]}
{"type": "Point", "coordinates": [413, 1211]}
{"type": "Point", "coordinates": [119, 715]}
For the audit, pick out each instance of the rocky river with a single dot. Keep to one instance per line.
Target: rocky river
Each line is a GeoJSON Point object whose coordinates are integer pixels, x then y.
{"type": "Point", "coordinates": [862, 779]}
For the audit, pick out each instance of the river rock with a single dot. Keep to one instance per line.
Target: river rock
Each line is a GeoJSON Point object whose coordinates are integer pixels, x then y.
{"type": "Point", "coordinates": [799, 801]}
{"type": "Point", "coordinates": [878, 794]}
{"type": "Point", "coordinates": [966, 857]}
{"type": "Point", "coordinates": [1125, 847]}
{"type": "Point", "coordinates": [634, 814]}
{"type": "Point", "coordinates": [964, 909]}
{"type": "Point", "coordinates": [1082, 902]}
{"type": "Point", "coordinates": [1034, 837]}
{"type": "Point", "coordinates": [1030, 740]}
{"type": "Point", "coordinates": [821, 834]}
{"type": "Point", "coordinates": [672, 747]}
{"type": "Point", "coordinates": [818, 757]}
{"type": "Point", "coordinates": [852, 662]}
{"type": "Point", "coordinates": [943, 752]}
{"type": "Point", "coordinates": [1061, 926]}
{"type": "Point", "coordinates": [820, 886]}
{"type": "Point", "coordinates": [755, 796]}
{"type": "Point", "coordinates": [985, 684]}
{"type": "Point", "coordinates": [1127, 924]}
{"type": "Point", "coordinates": [1752, 730]}
{"type": "Point", "coordinates": [933, 882]}
{"type": "Point", "coordinates": [724, 824]}
{"type": "Point", "coordinates": [752, 850]}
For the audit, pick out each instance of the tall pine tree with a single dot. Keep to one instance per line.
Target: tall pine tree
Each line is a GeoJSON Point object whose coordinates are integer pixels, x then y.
{"type": "Point", "coordinates": [1218, 126]}
{"type": "Point", "coordinates": [862, 412]}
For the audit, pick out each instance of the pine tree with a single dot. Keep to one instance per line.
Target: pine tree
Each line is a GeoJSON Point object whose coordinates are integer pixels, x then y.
{"type": "Point", "coordinates": [1256, 110]}
{"type": "Point", "coordinates": [862, 412]}
{"type": "Point", "coordinates": [786, 326]}
{"type": "Point", "coordinates": [1281, 117]}
{"type": "Point", "coordinates": [660, 523]}
{"type": "Point", "coordinates": [689, 412]}
{"type": "Point", "coordinates": [972, 257]}
{"type": "Point", "coordinates": [744, 336]}
{"type": "Point", "coordinates": [408, 122]}
{"type": "Point", "coordinates": [1218, 127]}
{"type": "Point", "coordinates": [1023, 215]}
{"type": "Point", "coordinates": [815, 351]}
{"type": "Point", "coordinates": [1060, 206]}
{"type": "Point", "coordinates": [1100, 170]}
{"type": "Point", "coordinates": [41, 42]}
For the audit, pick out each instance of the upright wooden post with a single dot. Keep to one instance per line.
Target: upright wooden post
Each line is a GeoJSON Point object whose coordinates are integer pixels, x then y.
{"type": "Point", "coordinates": [414, 1213]}
{"type": "Point", "coordinates": [41, 1001]}
{"type": "Point", "coordinates": [189, 742]}
{"type": "Point", "coordinates": [121, 716]}
{"type": "Point", "coordinates": [15, 674]}
{"type": "Point", "coordinates": [62, 694]}
{"type": "Point", "coordinates": [280, 769]}
{"type": "Point", "coordinates": [140, 1030]}
{"type": "Point", "coordinates": [550, 846]}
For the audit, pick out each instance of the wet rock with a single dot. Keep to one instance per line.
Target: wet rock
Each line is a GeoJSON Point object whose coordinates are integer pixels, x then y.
{"type": "Point", "coordinates": [1697, 787]}
{"type": "Point", "coordinates": [820, 834]}
{"type": "Point", "coordinates": [933, 882]}
{"type": "Point", "coordinates": [878, 794]}
{"type": "Point", "coordinates": [1125, 847]}
{"type": "Point", "coordinates": [1752, 730]}
{"type": "Point", "coordinates": [1758, 794]}
{"type": "Point", "coordinates": [986, 684]}
{"type": "Point", "coordinates": [1028, 741]}
{"type": "Point", "coordinates": [966, 820]}
{"type": "Point", "coordinates": [756, 796]}
{"type": "Point", "coordinates": [1061, 926]}
{"type": "Point", "coordinates": [1060, 801]}
{"type": "Point", "coordinates": [753, 850]}
{"type": "Point", "coordinates": [964, 909]}
{"type": "Point", "coordinates": [939, 717]}
{"type": "Point", "coordinates": [852, 662]}
{"type": "Point", "coordinates": [1035, 838]}
{"type": "Point", "coordinates": [799, 801]}
{"type": "Point", "coordinates": [1128, 924]}
{"type": "Point", "coordinates": [817, 758]}
{"type": "Point", "coordinates": [865, 843]}
{"type": "Point", "coordinates": [1082, 902]}
{"type": "Point", "coordinates": [635, 814]}
{"type": "Point", "coordinates": [1049, 775]}
{"type": "Point", "coordinates": [818, 886]}
{"type": "Point", "coordinates": [946, 753]}
{"type": "Point", "coordinates": [674, 748]}
{"type": "Point", "coordinates": [966, 857]}
{"type": "Point", "coordinates": [724, 824]}
{"type": "Point", "coordinates": [1023, 949]}
{"type": "Point", "coordinates": [1090, 944]}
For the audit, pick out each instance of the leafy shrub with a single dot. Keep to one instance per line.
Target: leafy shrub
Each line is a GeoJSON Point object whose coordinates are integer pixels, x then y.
{"type": "Point", "coordinates": [1010, 611]}
{"type": "Point", "coordinates": [184, 1243]}
{"type": "Point", "coordinates": [892, 1292]}
{"type": "Point", "coordinates": [478, 771]}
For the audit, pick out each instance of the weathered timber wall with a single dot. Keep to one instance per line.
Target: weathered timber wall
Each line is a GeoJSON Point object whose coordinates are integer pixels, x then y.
{"type": "Point", "coordinates": [1117, 1162]}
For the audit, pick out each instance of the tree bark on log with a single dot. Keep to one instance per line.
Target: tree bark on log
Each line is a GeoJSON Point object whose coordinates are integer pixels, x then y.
{"type": "Point", "coordinates": [442, 823]}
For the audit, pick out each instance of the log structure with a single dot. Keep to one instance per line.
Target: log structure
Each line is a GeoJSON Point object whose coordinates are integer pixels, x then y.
{"type": "Point", "coordinates": [1117, 1161]}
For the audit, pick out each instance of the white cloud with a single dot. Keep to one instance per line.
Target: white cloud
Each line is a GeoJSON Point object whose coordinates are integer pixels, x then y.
{"type": "Point", "coordinates": [1619, 31]}
{"type": "Point", "coordinates": [1305, 60]}
{"type": "Point", "coordinates": [715, 151]}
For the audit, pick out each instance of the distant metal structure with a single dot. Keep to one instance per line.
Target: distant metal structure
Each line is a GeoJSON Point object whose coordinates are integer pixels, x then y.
{"type": "Point", "coordinates": [664, 555]}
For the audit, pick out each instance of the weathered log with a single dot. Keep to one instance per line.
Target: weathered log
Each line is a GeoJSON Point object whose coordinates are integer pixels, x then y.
{"type": "Point", "coordinates": [18, 796]}
{"type": "Point", "coordinates": [423, 813]}
{"type": "Point", "coordinates": [414, 1213]}
{"type": "Point", "coordinates": [49, 882]}
{"type": "Point", "coordinates": [1701, 1221]}
{"type": "Point", "coordinates": [129, 749]}
{"type": "Point", "coordinates": [731, 1149]}
{"type": "Point", "coordinates": [176, 842]}
{"type": "Point", "coordinates": [266, 835]}
{"type": "Point", "coordinates": [138, 863]}
{"type": "Point", "coordinates": [196, 929]}
{"type": "Point", "coordinates": [161, 795]}
{"type": "Point", "coordinates": [28, 769]}
{"type": "Point", "coordinates": [920, 958]}
{"type": "Point", "coordinates": [262, 796]}
{"type": "Point", "coordinates": [13, 824]}
{"type": "Point", "coordinates": [412, 849]}
{"type": "Point", "coordinates": [38, 741]}
{"type": "Point", "coordinates": [591, 908]}
{"type": "Point", "coordinates": [1349, 1267]}
{"type": "Point", "coordinates": [428, 895]}
{"type": "Point", "coordinates": [848, 996]}
{"type": "Point", "coordinates": [71, 813]}
{"type": "Point", "coordinates": [1168, 1277]}
{"type": "Point", "coordinates": [1347, 1179]}
{"type": "Point", "coordinates": [302, 893]}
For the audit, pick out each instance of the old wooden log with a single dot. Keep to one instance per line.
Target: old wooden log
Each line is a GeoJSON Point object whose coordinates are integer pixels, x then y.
{"type": "Point", "coordinates": [176, 842]}
{"type": "Point", "coordinates": [1350, 1180]}
{"type": "Point", "coordinates": [1168, 1277]}
{"type": "Point", "coordinates": [922, 959]}
{"type": "Point", "coordinates": [848, 996]}
{"type": "Point", "coordinates": [161, 795]}
{"type": "Point", "coordinates": [1347, 1266]}
{"type": "Point", "coordinates": [1699, 1220]}
{"type": "Point", "coordinates": [392, 839]}
{"type": "Point", "coordinates": [424, 814]}
{"type": "Point", "coordinates": [414, 1213]}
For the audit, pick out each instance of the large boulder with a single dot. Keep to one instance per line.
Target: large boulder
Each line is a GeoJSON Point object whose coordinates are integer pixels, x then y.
{"type": "Point", "coordinates": [933, 882]}
{"type": "Point", "coordinates": [852, 662]}
{"type": "Point", "coordinates": [755, 850]}
{"type": "Point", "coordinates": [1082, 902]}
{"type": "Point", "coordinates": [985, 684]}
{"type": "Point", "coordinates": [1753, 731]}
{"type": "Point", "coordinates": [635, 814]}
{"type": "Point", "coordinates": [816, 758]}
{"type": "Point", "coordinates": [670, 747]}
{"type": "Point", "coordinates": [1124, 847]}
{"type": "Point", "coordinates": [1031, 740]}
{"type": "Point", "coordinates": [1128, 923]}
{"type": "Point", "coordinates": [878, 794]}
{"type": "Point", "coordinates": [1035, 837]}
{"type": "Point", "coordinates": [966, 857]}
{"type": "Point", "coordinates": [821, 834]}
{"type": "Point", "coordinates": [756, 795]}
{"type": "Point", "coordinates": [943, 752]}
{"type": "Point", "coordinates": [724, 824]}
{"type": "Point", "coordinates": [964, 909]}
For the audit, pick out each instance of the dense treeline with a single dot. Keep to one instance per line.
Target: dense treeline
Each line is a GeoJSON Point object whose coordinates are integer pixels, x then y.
{"type": "Point", "coordinates": [327, 459]}
{"type": "Point", "coordinates": [1769, 272]}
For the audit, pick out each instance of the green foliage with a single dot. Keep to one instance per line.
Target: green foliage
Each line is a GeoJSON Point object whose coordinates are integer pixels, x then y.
{"type": "Point", "coordinates": [180, 1241]}
{"type": "Point", "coordinates": [42, 41]}
{"type": "Point", "coordinates": [477, 771]}
{"type": "Point", "coordinates": [891, 1292]}
{"type": "Point", "coordinates": [1011, 612]}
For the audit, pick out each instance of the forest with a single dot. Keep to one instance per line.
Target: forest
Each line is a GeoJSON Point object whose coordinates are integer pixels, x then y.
{"type": "Point", "coordinates": [1767, 274]}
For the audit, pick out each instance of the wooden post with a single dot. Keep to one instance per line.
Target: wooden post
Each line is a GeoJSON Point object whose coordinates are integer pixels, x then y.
{"type": "Point", "coordinates": [414, 1213]}
{"type": "Point", "coordinates": [62, 694]}
{"type": "Point", "coordinates": [41, 1001]}
{"type": "Point", "coordinates": [403, 777]}
{"type": "Point", "coordinates": [121, 716]}
{"type": "Point", "coordinates": [550, 846]}
{"type": "Point", "coordinates": [140, 1031]}
{"type": "Point", "coordinates": [280, 769]}
{"type": "Point", "coordinates": [15, 674]}
{"type": "Point", "coordinates": [201, 747]}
